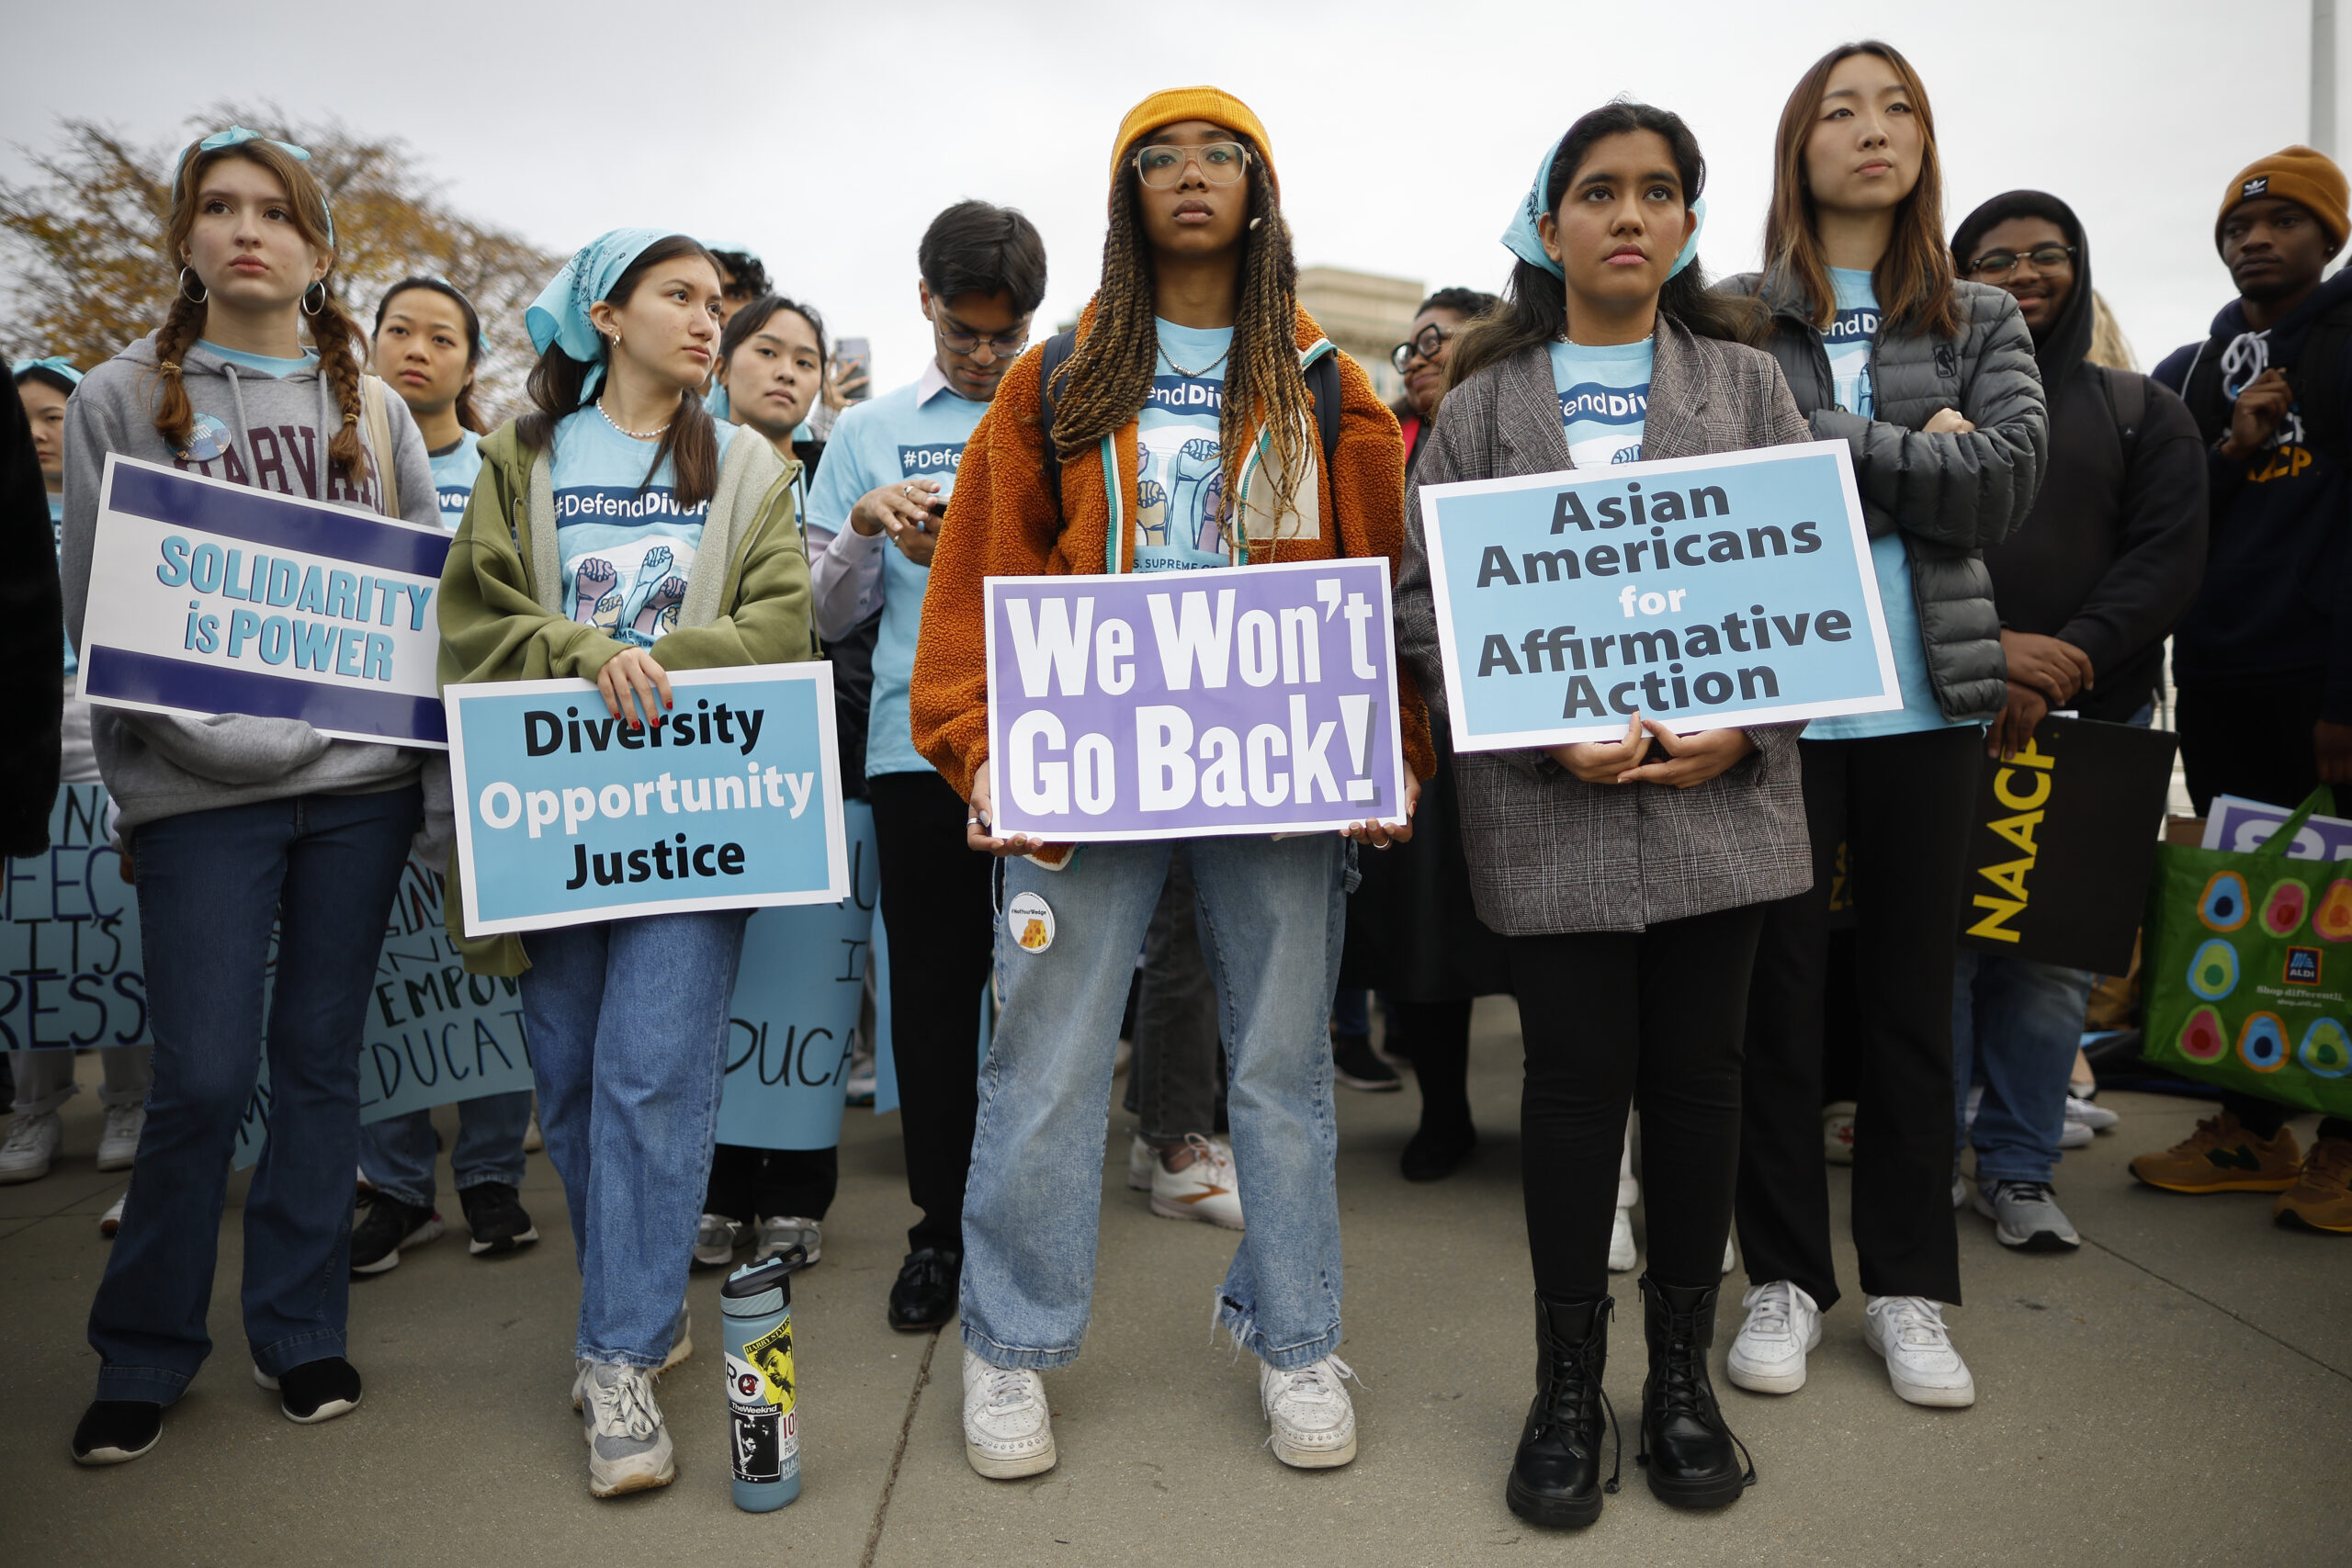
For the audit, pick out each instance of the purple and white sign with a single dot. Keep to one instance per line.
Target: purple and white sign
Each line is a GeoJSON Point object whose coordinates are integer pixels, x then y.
{"type": "Point", "coordinates": [1183, 704]}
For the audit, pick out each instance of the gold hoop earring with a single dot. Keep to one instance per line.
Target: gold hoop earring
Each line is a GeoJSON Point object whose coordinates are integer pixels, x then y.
{"type": "Point", "coordinates": [201, 294]}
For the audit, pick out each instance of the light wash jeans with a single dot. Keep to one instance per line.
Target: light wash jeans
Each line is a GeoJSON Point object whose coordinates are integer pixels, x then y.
{"type": "Point", "coordinates": [1271, 916]}
{"type": "Point", "coordinates": [2015, 1025]}
{"type": "Point", "coordinates": [396, 1152]}
{"type": "Point", "coordinates": [627, 1025]}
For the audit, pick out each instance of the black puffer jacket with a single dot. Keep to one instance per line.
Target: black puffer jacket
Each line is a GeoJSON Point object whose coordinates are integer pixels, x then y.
{"type": "Point", "coordinates": [1951, 495]}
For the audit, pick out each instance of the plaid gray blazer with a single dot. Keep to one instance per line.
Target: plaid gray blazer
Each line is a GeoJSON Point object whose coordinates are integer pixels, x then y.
{"type": "Point", "coordinates": [1548, 852]}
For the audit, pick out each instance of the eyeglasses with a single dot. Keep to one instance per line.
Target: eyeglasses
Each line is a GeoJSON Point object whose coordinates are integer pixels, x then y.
{"type": "Point", "coordinates": [2001, 263]}
{"type": "Point", "coordinates": [1160, 164]}
{"type": "Point", "coordinates": [956, 340]}
{"type": "Point", "coordinates": [1425, 345]}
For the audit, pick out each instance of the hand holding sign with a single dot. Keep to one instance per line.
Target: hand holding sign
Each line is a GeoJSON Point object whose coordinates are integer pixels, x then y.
{"type": "Point", "coordinates": [633, 673]}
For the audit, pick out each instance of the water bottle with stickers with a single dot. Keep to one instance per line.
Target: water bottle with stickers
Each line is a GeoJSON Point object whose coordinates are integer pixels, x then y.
{"type": "Point", "coordinates": [763, 1395]}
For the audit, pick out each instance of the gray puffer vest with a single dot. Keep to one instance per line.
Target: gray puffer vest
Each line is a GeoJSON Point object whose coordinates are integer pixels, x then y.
{"type": "Point", "coordinates": [1951, 496]}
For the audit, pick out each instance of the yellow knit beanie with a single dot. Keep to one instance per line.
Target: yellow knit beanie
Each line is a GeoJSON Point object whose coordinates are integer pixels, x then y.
{"type": "Point", "coordinates": [2302, 175]}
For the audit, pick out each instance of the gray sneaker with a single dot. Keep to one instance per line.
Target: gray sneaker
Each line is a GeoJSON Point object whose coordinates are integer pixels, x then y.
{"type": "Point", "coordinates": [775, 1234]}
{"type": "Point", "coordinates": [629, 1448]}
{"type": "Point", "coordinates": [2025, 1215]}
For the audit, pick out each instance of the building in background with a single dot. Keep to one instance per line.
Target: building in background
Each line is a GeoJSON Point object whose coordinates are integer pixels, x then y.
{"type": "Point", "coordinates": [1365, 314]}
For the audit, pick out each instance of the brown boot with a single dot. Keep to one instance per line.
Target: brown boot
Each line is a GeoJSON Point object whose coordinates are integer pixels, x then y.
{"type": "Point", "coordinates": [2321, 1196]}
{"type": "Point", "coordinates": [2222, 1156]}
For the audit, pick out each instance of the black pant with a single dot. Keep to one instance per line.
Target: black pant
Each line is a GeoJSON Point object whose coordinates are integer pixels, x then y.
{"type": "Point", "coordinates": [942, 926]}
{"type": "Point", "coordinates": [747, 1184]}
{"type": "Point", "coordinates": [2254, 741]}
{"type": "Point", "coordinates": [1610, 1018]}
{"type": "Point", "coordinates": [1437, 1038]}
{"type": "Point", "coordinates": [1901, 806]}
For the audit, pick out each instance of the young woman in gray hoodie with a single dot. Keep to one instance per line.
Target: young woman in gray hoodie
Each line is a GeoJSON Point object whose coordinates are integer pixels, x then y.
{"type": "Point", "coordinates": [234, 824]}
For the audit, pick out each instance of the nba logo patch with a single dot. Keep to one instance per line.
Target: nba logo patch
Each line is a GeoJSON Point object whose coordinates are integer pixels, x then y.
{"type": "Point", "coordinates": [2302, 966]}
{"type": "Point", "coordinates": [2255, 187]}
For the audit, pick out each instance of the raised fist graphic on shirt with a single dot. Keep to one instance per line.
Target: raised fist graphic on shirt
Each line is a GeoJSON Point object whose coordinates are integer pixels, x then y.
{"type": "Point", "coordinates": [660, 612]}
{"type": "Point", "coordinates": [594, 580]}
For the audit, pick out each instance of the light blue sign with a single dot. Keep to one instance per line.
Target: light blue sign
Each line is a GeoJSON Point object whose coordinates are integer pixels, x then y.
{"type": "Point", "coordinates": [729, 800]}
{"type": "Point", "coordinates": [70, 973]}
{"type": "Point", "coordinates": [1733, 589]}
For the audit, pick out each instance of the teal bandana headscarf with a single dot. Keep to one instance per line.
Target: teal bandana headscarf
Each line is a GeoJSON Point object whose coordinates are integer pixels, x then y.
{"type": "Point", "coordinates": [56, 364]}
{"type": "Point", "coordinates": [560, 315]}
{"type": "Point", "coordinates": [1522, 241]}
{"type": "Point", "coordinates": [237, 136]}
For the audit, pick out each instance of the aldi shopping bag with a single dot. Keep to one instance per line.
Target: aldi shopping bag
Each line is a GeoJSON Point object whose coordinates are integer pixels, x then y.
{"type": "Point", "coordinates": [2249, 968]}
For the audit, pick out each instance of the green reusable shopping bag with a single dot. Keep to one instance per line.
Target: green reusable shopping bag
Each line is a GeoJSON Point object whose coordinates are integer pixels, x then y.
{"type": "Point", "coordinates": [2250, 968]}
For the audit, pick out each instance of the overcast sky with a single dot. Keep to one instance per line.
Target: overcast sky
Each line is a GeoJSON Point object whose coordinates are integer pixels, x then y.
{"type": "Point", "coordinates": [825, 136]}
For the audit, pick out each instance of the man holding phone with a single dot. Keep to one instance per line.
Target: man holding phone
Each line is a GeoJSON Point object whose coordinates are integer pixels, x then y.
{"type": "Point", "coordinates": [873, 519]}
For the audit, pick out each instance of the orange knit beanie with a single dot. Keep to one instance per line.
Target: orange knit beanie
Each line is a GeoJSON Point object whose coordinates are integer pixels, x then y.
{"type": "Point", "coordinates": [1213, 104]}
{"type": "Point", "coordinates": [2303, 175]}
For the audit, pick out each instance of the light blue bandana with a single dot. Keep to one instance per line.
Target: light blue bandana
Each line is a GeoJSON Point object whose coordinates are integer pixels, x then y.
{"type": "Point", "coordinates": [237, 136]}
{"type": "Point", "coordinates": [1523, 241]}
{"type": "Point", "coordinates": [560, 315]}
{"type": "Point", "coordinates": [56, 364]}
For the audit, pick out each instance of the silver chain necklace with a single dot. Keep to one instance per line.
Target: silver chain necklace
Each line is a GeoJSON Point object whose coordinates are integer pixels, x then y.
{"type": "Point", "coordinates": [652, 434]}
{"type": "Point", "coordinates": [1195, 375]}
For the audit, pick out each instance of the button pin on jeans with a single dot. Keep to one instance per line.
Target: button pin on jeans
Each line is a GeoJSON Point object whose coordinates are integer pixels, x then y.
{"type": "Point", "coordinates": [1031, 921]}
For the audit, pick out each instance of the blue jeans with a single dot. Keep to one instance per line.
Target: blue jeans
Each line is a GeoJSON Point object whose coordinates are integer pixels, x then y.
{"type": "Point", "coordinates": [627, 1025]}
{"type": "Point", "coordinates": [2016, 1025]}
{"type": "Point", "coordinates": [212, 884]}
{"type": "Point", "coordinates": [1272, 916]}
{"type": "Point", "coordinates": [396, 1152]}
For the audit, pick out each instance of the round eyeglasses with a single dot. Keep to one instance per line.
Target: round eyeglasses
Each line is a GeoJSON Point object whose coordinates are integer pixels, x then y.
{"type": "Point", "coordinates": [1161, 164]}
{"type": "Point", "coordinates": [2001, 263]}
{"type": "Point", "coordinates": [1424, 344]}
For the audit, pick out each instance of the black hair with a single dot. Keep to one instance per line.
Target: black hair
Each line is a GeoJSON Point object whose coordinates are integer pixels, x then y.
{"type": "Point", "coordinates": [469, 417]}
{"type": "Point", "coordinates": [1468, 303]}
{"type": "Point", "coordinates": [2060, 347]}
{"type": "Point", "coordinates": [976, 247]}
{"type": "Point", "coordinates": [47, 378]}
{"type": "Point", "coordinates": [743, 273]}
{"type": "Point", "coordinates": [755, 315]}
{"type": "Point", "coordinates": [1534, 307]}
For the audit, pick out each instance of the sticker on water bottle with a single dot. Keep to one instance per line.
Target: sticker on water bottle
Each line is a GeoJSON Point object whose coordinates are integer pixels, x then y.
{"type": "Point", "coordinates": [770, 1354]}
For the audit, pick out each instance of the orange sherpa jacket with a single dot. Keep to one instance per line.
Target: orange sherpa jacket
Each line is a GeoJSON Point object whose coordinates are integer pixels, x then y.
{"type": "Point", "coordinates": [1003, 524]}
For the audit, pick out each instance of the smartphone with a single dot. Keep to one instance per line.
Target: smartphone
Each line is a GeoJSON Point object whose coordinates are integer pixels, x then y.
{"type": "Point", "coordinates": [854, 359]}
{"type": "Point", "coordinates": [938, 510]}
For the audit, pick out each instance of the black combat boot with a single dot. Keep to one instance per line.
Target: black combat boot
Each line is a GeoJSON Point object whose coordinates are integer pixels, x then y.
{"type": "Point", "coordinates": [1688, 1450]}
{"type": "Point", "coordinates": [1556, 1474]}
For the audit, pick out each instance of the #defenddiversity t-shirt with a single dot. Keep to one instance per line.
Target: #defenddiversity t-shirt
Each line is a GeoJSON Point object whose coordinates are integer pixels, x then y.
{"type": "Point", "coordinates": [1180, 489]}
{"type": "Point", "coordinates": [627, 547]}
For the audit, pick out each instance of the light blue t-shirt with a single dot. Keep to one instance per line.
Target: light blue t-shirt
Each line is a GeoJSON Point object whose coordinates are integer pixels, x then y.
{"type": "Point", "coordinates": [627, 547]}
{"type": "Point", "coordinates": [1849, 341]}
{"type": "Point", "coordinates": [454, 467]}
{"type": "Point", "coordinates": [57, 528]}
{"type": "Point", "coordinates": [1180, 488]}
{"type": "Point", "coordinates": [889, 440]}
{"type": "Point", "coordinates": [1604, 401]}
{"type": "Point", "coordinates": [268, 365]}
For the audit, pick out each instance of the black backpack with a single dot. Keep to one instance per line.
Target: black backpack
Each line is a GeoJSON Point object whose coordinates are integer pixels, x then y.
{"type": "Point", "coordinates": [1322, 384]}
{"type": "Point", "coordinates": [2319, 399]}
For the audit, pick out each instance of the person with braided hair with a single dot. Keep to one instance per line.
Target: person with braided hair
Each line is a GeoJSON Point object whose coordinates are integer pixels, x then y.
{"type": "Point", "coordinates": [1190, 360]}
{"type": "Point", "coordinates": [233, 824]}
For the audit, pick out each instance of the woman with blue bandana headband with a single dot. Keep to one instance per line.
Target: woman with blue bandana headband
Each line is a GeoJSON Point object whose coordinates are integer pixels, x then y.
{"type": "Point", "coordinates": [1629, 948]}
{"type": "Point", "coordinates": [614, 535]}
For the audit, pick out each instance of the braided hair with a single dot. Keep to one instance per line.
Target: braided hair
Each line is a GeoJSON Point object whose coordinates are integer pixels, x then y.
{"type": "Point", "coordinates": [1107, 379]}
{"type": "Point", "coordinates": [332, 332]}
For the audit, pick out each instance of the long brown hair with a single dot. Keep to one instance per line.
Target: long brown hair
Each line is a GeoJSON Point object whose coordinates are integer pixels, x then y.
{"type": "Point", "coordinates": [333, 330]}
{"type": "Point", "coordinates": [692, 440]}
{"type": "Point", "coordinates": [1914, 277]}
{"type": "Point", "coordinates": [1107, 379]}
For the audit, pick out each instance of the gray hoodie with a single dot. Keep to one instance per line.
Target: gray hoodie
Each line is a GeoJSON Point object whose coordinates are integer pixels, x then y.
{"type": "Point", "coordinates": [252, 429]}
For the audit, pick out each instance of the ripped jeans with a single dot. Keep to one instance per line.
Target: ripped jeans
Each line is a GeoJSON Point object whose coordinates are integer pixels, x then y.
{"type": "Point", "coordinates": [1272, 914]}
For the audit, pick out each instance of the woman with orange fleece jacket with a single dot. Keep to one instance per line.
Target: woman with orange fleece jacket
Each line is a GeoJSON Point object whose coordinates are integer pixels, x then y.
{"type": "Point", "coordinates": [1184, 412]}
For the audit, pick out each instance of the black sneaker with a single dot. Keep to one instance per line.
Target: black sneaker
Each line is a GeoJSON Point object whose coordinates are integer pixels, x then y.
{"type": "Point", "coordinates": [925, 1296]}
{"type": "Point", "coordinates": [315, 1390]}
{"type": "Point", "coordinates": [115, 1431]}
{"type": "Point", "coordinates": [384, 1227]}
{"type": "Point", "coordinates": [1356, 1065]}
{"type": "Point", "coordinates": [494, 1214]}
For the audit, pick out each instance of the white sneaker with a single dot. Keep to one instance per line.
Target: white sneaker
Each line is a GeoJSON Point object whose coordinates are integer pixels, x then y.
{"type": "Point", "coordinates": [30, 1147]}
{"type": "Point", "coordinates": [1959, 1191]}
{"type": "Point", "coordinates": [1731, 1255]}
{"type": "Point", "coordinates": [1141, 1157]}
{"type": "Point", "coordinates": [628, 1446]}
{"type": "Point", "coordinates": [1920, 1361]}
{"type": "Point", "coordinates": [1629, 1191]}
{"type": "Point", "coordinates": [111, 1221]}
{"type": "Point", "coordinates": [534, 1141]}
{"type": "Point", "coordinates": [1314, 1421]}
{"type": "Point", "coordinates": [1622, 1254]}
{"type": "Point", "coordinates": [118, 1144]}
{"type": "Point", "coordinates": [2097, 1118]}
{"type": "Point", "coordinates": [781, 1231]}
{"type": "Point", "coordinates": [716, 1239]}
{"type": "Point", "coordinates": [1783, 1323]}
{"type": "Point", "coordinates": [2075, 1134]}
{"type": "Point", "coordinates": [1008, 1428]}
{"type": "Point", "coordinates": [1207, 1189]}
{"type": "Point", "coordinates": [1838, 1132]}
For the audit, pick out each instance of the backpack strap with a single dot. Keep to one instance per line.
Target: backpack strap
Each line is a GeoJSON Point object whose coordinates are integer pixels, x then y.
{"type": "Point", "coordinates": [2127, 404]}
{"type": "Point", "coordinates": [1058, 348]}
{"type": "Point", "coordinates": [2201, 391]}
{"type": "Point", "coordinates": [378, 424]}
{"type": "Point", "coordinates": [2319, 399]}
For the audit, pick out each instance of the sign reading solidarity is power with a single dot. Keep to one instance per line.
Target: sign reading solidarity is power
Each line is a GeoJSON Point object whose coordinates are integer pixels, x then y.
{"type": "Point", "coordinates": [1184, 704]}
{"type": "Point", "coordinates": [207, 597]}
{"type": "Point", "coordinates": [1701, 591]}
{"type": "Point", "coordinates": [729, 800]}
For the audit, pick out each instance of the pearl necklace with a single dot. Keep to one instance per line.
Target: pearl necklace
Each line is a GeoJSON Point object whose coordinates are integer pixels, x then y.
{"type": "Point", "coordinates": [652, 434]}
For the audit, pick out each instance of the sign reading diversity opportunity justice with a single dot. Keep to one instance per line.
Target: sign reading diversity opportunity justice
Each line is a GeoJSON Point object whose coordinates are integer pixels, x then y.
{"type": "Point", "coordinates": [1701, 592]}
{"type": "Point", "coordinates": [207, 597]}
{"type": "Point", "coordinates": [1185, 704]}
{"type": "Point", "coordinates": [729, 800]}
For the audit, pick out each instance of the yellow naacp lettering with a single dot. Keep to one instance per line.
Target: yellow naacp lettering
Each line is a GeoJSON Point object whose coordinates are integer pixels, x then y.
{"type": "Point", "coordinates": [1991, 925]}
{"type": "Point", "coordinates": [2017, 831]}
{"type": "Point", "coordinates": [2009, 876]}
{"type": "Point", "coordinates": [2004, 792]}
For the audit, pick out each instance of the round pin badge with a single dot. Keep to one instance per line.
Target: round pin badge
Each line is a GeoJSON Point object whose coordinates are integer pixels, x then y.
{"type": "Point", "coordinates": [1031, 921]}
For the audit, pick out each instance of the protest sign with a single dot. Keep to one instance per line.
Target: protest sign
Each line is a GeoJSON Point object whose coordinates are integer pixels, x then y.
{"type": "Point", "coordinates": [1184, 704]}
{"type": "Point", "coordinates": [729, 800]}
{"type": "Point", "coordinates": [70, 973]}
{"type": "Point", "coordinates": [207, 597]}
{"type": "Point", "coordinates": [1701, 591]}
{"type": "Point", "coordinates": [2245, 826]}
{"type": "Point", "coordinates": [2063, 842]}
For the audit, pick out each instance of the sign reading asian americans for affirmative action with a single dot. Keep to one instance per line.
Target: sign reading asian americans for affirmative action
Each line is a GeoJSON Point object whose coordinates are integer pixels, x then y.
{"type": "Point", "coordinates": [207, 597]}
{"type": "Point", "coordinates": [729, 800]}
{"type": "Point", "coordinates": [1733, 589]}
{"type": "Point", "coordinates": [1187, 703]}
